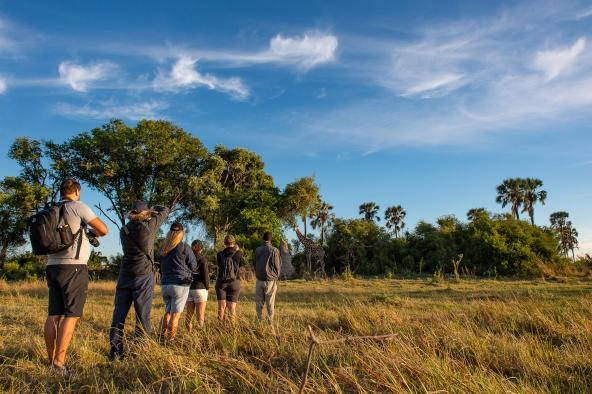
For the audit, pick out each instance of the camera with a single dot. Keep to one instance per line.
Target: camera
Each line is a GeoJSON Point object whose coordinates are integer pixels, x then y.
{"type": "Point", "coordinates": [92, 238]}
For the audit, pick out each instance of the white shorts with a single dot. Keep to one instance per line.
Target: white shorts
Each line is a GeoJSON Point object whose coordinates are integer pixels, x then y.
{"type": "Point", "coordinates": [197, 295]}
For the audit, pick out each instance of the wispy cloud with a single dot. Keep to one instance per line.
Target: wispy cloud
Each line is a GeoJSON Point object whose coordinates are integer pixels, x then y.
{"type": "Point", "coordinates": [554, 62]}
{"type": "Point", "coordinates": [109, 109]}
{"type": "Point", "coordinates": [80, 77]}
{"type": "Point", "coordinates": [3, 85]}
{"type": "Point", "coordinates": [303, 52]}
{"type": "Point", "coordinates": [461, 81]}
{"type": "Point", "coordinates": [184, 75]}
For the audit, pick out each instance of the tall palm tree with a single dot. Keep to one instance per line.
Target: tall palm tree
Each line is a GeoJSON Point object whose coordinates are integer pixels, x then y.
{"type": "Point", "coordinates": [370, 211]}
{"type": "Point", "coordinates": [511, 192]}
{"type": "Point", "coordinates": [321, 219]}
{"type": "Point", "coordinates": [394, 219]}
{"type": "Point", "coordinates": [561, 226]}
{"type": "Point", "coordinates": [531, 195]}
{"type": "Point", "coordinates": [572, 241]}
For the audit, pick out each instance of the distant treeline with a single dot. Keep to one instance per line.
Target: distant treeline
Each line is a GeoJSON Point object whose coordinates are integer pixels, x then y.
{"type": "Point", "coordinates": [227, 190]}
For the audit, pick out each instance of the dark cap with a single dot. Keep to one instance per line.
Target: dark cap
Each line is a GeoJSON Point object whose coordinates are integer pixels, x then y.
{"type": "Point", "coordinates": [139, 206]}
{"type": "Point", "coordinates": [176, 226]}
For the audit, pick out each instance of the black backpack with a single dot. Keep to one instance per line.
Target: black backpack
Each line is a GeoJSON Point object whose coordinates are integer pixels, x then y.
{"type": "Point", "coordinates": [228, 270]}
{"type": "Point", "coordinates": [50, 233]}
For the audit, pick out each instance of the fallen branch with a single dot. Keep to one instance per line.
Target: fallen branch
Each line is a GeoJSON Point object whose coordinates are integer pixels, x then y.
{"type": "Point", "coordinates": [314, 341]}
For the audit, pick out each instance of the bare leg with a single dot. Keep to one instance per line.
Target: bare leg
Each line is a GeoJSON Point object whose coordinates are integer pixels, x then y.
{"type": "Point", "coordinates": [191, 307]}
{"type": "Point", "coordinates": [65, 332]}
{"type": "Point", "coordinates": [231, 306]}
{"type": "Point", "coordinates": [221, 308]}
{"type": "Point", "coordinates": [164, 324]}
{"type": "Point", "coordinates": [201, 313]}
{"type": "Point", "coordinates": [50, 333]}
{"type": "Point", "coordinates": [173, 324]}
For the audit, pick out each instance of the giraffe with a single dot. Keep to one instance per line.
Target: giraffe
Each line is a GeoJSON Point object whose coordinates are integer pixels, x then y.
{"type": "Point", "coordinates": [287, 268]}
{"type": "Point", "coordinates": [313, 252]}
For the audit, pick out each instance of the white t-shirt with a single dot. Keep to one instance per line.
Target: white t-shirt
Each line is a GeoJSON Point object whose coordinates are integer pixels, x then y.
{"type": "Point", "coordinates": [74, 213]}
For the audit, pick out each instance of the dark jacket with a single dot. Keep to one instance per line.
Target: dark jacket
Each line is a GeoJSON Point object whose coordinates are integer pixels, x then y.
{"type": "Point", "coordinates": [268, 263]}
{"type": "Point", "coordinates": [201, 278]}
{"type": "Point", "coordinates": [238, 258]}
{"type": "Point", "coordinates": [138, 242]}
{"type": "Point", "coordinates": [176, 267]}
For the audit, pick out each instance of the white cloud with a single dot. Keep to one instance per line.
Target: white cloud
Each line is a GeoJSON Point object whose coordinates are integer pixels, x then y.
{"type": "Point", "coordinates": [554, 62]}
{"type": "Point", "coordinates": [584, 14]}
{"type": "Point", "coordinates": [80, 77]}
{"type": "Point", "coordinates": [305, 52]}
{"type": "Point", "coordinates": [3, 85]}
{"type": "Point", "coordinates": [110, 109]}
{"type": "Point", "coordinates": [436, 86]}
{"type": "Point", "coordinates": [184, 74]}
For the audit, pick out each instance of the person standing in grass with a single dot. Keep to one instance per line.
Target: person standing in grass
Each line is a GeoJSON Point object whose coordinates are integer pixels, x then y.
{"type": "Point", "coordinates": [177, 264]}
{"type": "Point", "coordinates": [229, 261]}
{"type": "Point", "coordinates": [268, 265]}
{"type": "Point", "coordinates": [198, 290]}
{"type": "Point", "coordinates": [67, 275]}
{"type": "Point", "coordinates": [136, 274]}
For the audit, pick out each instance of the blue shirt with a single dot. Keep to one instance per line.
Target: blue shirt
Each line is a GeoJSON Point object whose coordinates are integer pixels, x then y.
{"type": "Point", "coordinates": [176, 267]}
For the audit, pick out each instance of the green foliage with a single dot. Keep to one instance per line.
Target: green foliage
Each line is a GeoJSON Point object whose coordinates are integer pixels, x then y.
{"type": "Point", "coordinates": [235, 195]}
{"type": "Point", "coordinates": [361, 245]}
{"type": "Point", "coordinates": [301, 198]}
{"type": "Point", "coordinates": [499, 245]}
{"type": "Point", "coordinates": [370, 211]}
{"type": "Point", "coordinates": [155, 161]}
{"type": "Point", "coordinates": [521, 192]}
{"type": "Point", "coordinates": [24, 267]}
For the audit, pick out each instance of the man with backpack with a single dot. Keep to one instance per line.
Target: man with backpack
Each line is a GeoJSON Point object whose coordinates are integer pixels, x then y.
{"type": "Point", "coordinates": [67, 272]}
{"type": "Point", "coordinates": [268, 265]}
{"type": "Point", "coordinates": [228, 282]}
{"type": "Point", "coordinates": [136, 274]}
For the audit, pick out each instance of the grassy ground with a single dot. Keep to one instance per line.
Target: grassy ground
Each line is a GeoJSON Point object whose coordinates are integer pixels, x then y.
{"type": "Point", "coordinates": [468, 336]}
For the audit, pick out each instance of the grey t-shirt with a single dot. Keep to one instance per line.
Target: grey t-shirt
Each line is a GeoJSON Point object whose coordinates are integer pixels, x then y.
{"type": "Point", "coordinates": [75, 212]}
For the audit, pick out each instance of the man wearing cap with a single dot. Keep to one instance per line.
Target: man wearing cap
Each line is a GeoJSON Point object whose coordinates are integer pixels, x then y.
{"type": "Point", "coordinates": [136, 274]}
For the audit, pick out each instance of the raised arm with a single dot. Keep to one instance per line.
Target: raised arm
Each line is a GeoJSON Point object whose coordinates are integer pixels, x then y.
{"type": "Point", "coordinates": [161, 215]}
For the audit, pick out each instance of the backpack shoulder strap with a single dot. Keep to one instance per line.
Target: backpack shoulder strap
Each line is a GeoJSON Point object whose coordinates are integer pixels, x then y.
{"type": "Point", "coordinates": [79, 233]}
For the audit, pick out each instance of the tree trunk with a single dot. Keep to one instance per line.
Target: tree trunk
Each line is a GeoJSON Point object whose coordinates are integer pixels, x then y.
{"type": "Point", "coordinates": [573, 255]}
{"type": "Point", "coordinates": [322, 235]}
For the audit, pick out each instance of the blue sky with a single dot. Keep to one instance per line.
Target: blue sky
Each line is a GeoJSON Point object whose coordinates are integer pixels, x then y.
{"type": "Point", "coordinates": [424, 104]}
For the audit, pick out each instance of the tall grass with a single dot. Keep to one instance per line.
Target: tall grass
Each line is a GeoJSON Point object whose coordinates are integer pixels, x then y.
{"type": "Point", "coordinates": [466, 336]}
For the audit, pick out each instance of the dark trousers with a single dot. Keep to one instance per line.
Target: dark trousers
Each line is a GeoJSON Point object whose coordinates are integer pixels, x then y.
{"type": "Point", "coordinates": [137, 290]}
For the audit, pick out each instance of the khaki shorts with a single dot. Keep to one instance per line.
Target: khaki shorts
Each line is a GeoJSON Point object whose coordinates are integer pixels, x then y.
{"type": "Point", "coordinates": [197, 296]}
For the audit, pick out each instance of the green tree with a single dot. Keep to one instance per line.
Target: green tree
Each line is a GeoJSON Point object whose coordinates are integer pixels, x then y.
{"type": "Point", "coordinates": [562, 228]}
{"type": "Point", "coordinates": [511, 192]}
{"type": "Point", "coordinates": [572, 241]}
{"type": "Point", "coordinates": [18, 200]}
{"type": "Point", "coordinates": [531, 195]}
{"type": "Point", "coordinates": [394, 217]}
{"type": "Point", "coordinates": [301, 198]}
{"type": "Point", "coordinates": [474, 213]}
{"type": "Point", "coordinates": [235, 195]}
{"type": "Point", "coordinates": [370, 211]}
{"type": "Point", "coordinates": [154, 161]}
{"type": "Point", "coordinates": [30, 155]}
{"type": "Point", "coordinates": [321, 219]}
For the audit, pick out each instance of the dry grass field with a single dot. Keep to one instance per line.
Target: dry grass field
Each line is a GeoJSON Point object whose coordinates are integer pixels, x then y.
{"type": "Point", "coordinates": [475, 336]}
